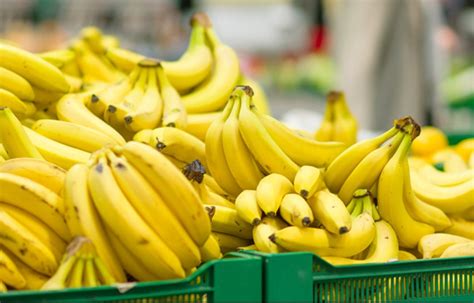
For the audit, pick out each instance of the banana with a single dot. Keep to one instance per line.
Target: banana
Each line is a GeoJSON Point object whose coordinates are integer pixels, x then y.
{"type": "Point", "coordinates": [26, 245]}
{"type": "Point", "coordinates": [342, 166]}
{"type": "Point", "coordinates": [154, 211]}
{"type": "Point", "coordinates": [9, 273]}
{"type": "Point", "coordinates": [212, 94]}
{"type": "Point", "coordinates": [405, 256]}
{"type": "Point", "coordinates": [174, 112]}
{"type": "Point", "coordinates": [178, 144]}
{"type": "Point", "coordinates": [259, 141]}
{"type": "Point", "coordinates": [295, 210]}
{"type": "Point", "coordinates": [198, 124]}
{"type": "Point", "coordinates": [459, 250]}
{"type": "Point", "coordinates": [461, 227]}
{"type": "Point", "coordinates": [35, 199]}
{"type": "Point", "coordinates": [3, 287]}
{"type": "Point", "coordinates": [452, 161]}
{"type": "Point", "coordinates": [59, 279]}
{"type": "Point", "coordinates": [436, 177]}
{"type": "Point", "coordinates": [383, 249]}
{"type": "Point", "coordinates": [34, 280]}
{"type": "Point", "coordinates": [42, 231]}
{"type": "Point", "coordinates": [71, 108]}
{"type": "Point", "coordinates": [308, 180]}
{"type": "Point", "coordinates": [2, 159]}
{"type": "Point", "coordinates": [433, 246]}
{"type": "Point", "coordinates": [3, 152]}
{"type": "Point", "coordinates": [58, 57]}
{"type": "Point", "coordinates": [270, 193]}
{"type": "Point", "coordinates": [324, 243]}
{"type": "Point", "coordinates": [93, 67]}
{"type": "Point", "coordinates": [215, 156]}
{"type": "Point", "coordinates": [247, 207]}
{"type": "Point", "coordinates": [74, 135]}
{"type": "Point", "coordinates": [13, 137]}
{"type": "Point", "coordinates": [130, 263]}
{"type": "Point", "coordinates": [366, 173]}
{"type": "Point", "coordinates": [20, 108]}
{"type": "Point", "coordinates": [143, 136]}
{"type": "Point", "coordinates": [259, 97]}
{"type": "Point", "coordinates": [60, 154]}
{"type": "Point", "coordinates": [117, 212]}
{"type": "Point", "coordinates": [90, 275]}
{"type": "Point", "coordinates": [226, 220]}
{"type": "Point", "coordinates": [208, 197]}
{"type": "Point", "coordinates": [239, 159]}
{"type": "Point", "coordinates": [228, 242]}
{"type": "Point", "coordinates": [345, 125]}
{"type": "Point", "coordinates": [83, 220]}
{"type": "Point", "coordinates": [16, 84]}
{"type": "Point", "coordinates": [196, 63]}
{"type": "Point", "coordinates": [326, 129]}
{"type": "Point", "coordinates": [35, 70]}
{"type": "Point", "coordinates": [331, 212]}
{"type": "Point", "coordinates": [44, 97]}
{"type": "Point", "coordinates": [264, 230]}
{"type": "Point", "coordinates": [211, 249]}
{"type": "Point", "coordinates": [391, 199]}
{"type": "Point", "coordinates": [172, 186]}
{"type": "Point", "coordinates": [105, 277]}
{"type": "Point", "coordinates": [76, 275]}
{"type": "Point", "coordinates": [420, 210]}
{"type": "Point", "coordinates": [213, 186]}
{"type": "Point", "coordinates": [452, 199]}
{"type": "Point", "coordinates": [123, 59]}
{"type": "Point", "coordinates": [149, 112]}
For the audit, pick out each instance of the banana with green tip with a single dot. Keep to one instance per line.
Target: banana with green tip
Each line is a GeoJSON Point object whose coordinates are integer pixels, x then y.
{"type": "Point", "coordinates": [295, 210]}
{"type": "Point", "coordinates": [247, 207]}
{"type": "Point", "coordinates": [270, 192]}
{"type": "Point", "coordinates": [264, 230]}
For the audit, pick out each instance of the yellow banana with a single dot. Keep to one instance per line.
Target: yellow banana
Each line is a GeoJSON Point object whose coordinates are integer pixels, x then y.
{"type": "Point", "coordinates": [342, 166]}
{"type": "Point", "coordinates": [452, 161]}
{"type": "Point", "coordinates": [366, 173]}
{"type": "Point", "coordinates": [90, 275]}
{"type": "Point", "coordinates": [59, 279]}
{"type": "Point", "coordinates": [93, 67]}
{"type": "Point", "coordinates": [259, 97]}
{"type": "Point", "coordinates": [20, 108]}
{"type": "Point", "coordinates": [239, 159]}
{"type": "Point", "coordinates": [9, 273]}
{"type": "Point", "coordinates": [117, 212]}
{"type": "Point", "coordinates": [247, 207]}
{"type": "Point", "coordinates": [259, 141]}
{"type": "Point", "coordinates": [215, 156]}
{"type": "Point", "coordinates": [213, 186]}
{"type": "Point", "coordinates": [461, 227]}
{"type": "Point", "coordinates": [226, 220]}
{"type": "Point", "coordinates": [34, 280]}
{"type": "Point", "coordinates": [77, 272]}
{"type": "Point", "coordinates": [345, 125]}
{"type": "Point", "coordinates": [197, 124]}
{"type": "Point", "coordinates": [331, 212]}
{"type": "Point", "coordinates": [83, 220]}
{"type": "Point", "coordinates": [3, 152]}
{"type": "Point", "coordinates": [405, 256]}
{"type": "Point", "coordinates": [325, 132]}
{"type": "Point", "coordinates": [211, 249]}
{"type": "Point", "coordinates": [436, 177]}
{"type": "Point", "coordinates": [270, 193]}
{"type": "Point", "coordinates": [212, 94]}
{"type": "Point", "coordinates": [105, 277]}
{"type": "Point", "coordinates": [26, 245]}
{"type": "Point", "coordinates": [208, 197]}
{"type": "Point", "coordinates": [264, 230]}
{"type": "Point", "coordinates": [229, 242]}
{"type": "Point", "coordinates": [16, 84]}
{"type": "Point", "coordinates": [44, 97]}
{"type": "Point", "coordinates": [37, 71]}
{"type": "Point", "coordinates": [295, 210]}
{"type": "Point", "coordinates": [36, 200]}
{"type": "Point", "coordinates": [123, 59]}
{"type": "Point", "coordinates": [173, 187]}
{"type": "Point", "coordinates": [174, 112]}
{"type": "Point", "coordinates": [154, 211]}
{"type": "Point", "coordinates": [433, 246]}
{"type": "Point", "coordinates": [308, 180]}
{"type": "Point", "coordinates": [143, 136]}
{"type": "Point", "coordinates": [459, 250]}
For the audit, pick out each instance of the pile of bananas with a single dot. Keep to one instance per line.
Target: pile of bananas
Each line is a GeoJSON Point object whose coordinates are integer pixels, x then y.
{"type": "Point", "coordinates": [148, 168]}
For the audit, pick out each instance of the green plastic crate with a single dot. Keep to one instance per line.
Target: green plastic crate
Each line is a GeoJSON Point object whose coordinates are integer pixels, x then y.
{"type": "Point", "coordinates": [304, 277]}
{"type": "Point", "coordinates": [236, 278]}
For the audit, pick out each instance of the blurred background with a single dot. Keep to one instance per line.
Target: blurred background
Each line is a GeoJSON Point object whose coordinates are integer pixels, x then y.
{"type": "Point", "coordinates": [390, 57]}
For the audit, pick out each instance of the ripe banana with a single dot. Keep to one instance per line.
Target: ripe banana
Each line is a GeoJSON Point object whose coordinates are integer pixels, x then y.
{"type": "Point", "coordinates": [342, 166]}
{"type": "Point", "coordinates": [461, 227]}
{"type": "Point", "coordinates": [295, 210]}
{"type": "Point", "coordinates": [36, 199]}
{"type": "Point", "coordinates": [94, 68]}
{"type": "Point", "coordinates": [259, 98]}
{"type": "Point", "coordinates": [452, 161]}
{"type": "Point", "coordinates": [436, 177]}
{"type": "Point", "coordinates": [433, 246]}
{"type": "Point", "coordinates": [154, 211]}
{"type": "Point", "coordinates": [176, 143]}
{"type": "Point", "coordinates": [16, 84]}
{"type": "Point", "coordinates": [26, 245]}
{"type": "Point", "coordinates": [20, 108]}
{"type": "Point", "coordinates": [459, 250]}
{"type": "Point", "coordinates": [37, 71]}
{"type": "Point", "coordinates": [247, 207]}
{"type": "Point", "coordinates": [143, 136]}
{"type": "Point", "coordinates": [383, 249]}
{"type": "Point", "coordinates": [34, 280]}
{"type": "Point", "coordinates": [123, 59]}
{"type": "Point", "coordinates": [215, 156]}
{"type": "Point", "coordinates": [264, 230]}
{"type": "Point", "coordinates": [116, 211]}
{"type": "Point", "coordinates": [59, 279]}
{"type": "Point", "coordinates": [208, 197]}
{"type": "Point", "coordinates": [9, 272]}
{"type": "Point", "coordinates": [405, 255]}
{"type": "Point", "coordinates": [44, 97]}
{"type": "Point", "coordinates": [308, 180]}
{"type": "Point", "coordinates": [331, 212]}
{"type": "Point", "coordinates": [13, 137]}
{"type": "Point", "coordinates": [367, 172]}
{"type": "Point", "coordinates": [266, 151]}
{"type": "Point", "coordinates": [58, 57]}
{"type": "Point", "coordinates": [198, 124]}
{"type": "Point", "coordinates": [174, 112]}
{"type": "Point", "coordinates": [228, 242]}
{"type": "Point", "coordinates": [391, 199]}
{"type": "Point", "coordinates": [270, 193]}
{"type": "Point", "coordinates": [226, 220]}
{"type": "Point", "coordinates": [211, 249]}
{"type": "Point", "coordinates": [239, 159]}
{"type": "Point", "coordinates": [324, 243]}
{"type": "Point", "coordinates": [83, 220]}
{"type": "Point", "coordinates": [172, 186]}
{"type": "Point", "coordinates": [345, 125]}
{"type": "Point", "coordinates": [326, 129]}
{"type": "Point", "coordinates": [212, 94]}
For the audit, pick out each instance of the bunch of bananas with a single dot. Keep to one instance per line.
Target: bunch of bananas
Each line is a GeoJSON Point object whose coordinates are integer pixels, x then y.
{"type": "Point", "coordinates": [338, 123]}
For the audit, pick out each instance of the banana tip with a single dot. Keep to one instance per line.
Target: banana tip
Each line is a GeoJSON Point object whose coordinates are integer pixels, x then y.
{"type": "Point", "coordinates": [343, 230]}
{"type": "Point", "coordinates": [271, 214]}
{"type": "Point", "coordinates": [200, 18]}
{"type": "Point", "coordinates": [304, 193]}
{"type": "Point", "coordinates": [256, 221]}
{"type": "Point", "coordinates": [272, 238]}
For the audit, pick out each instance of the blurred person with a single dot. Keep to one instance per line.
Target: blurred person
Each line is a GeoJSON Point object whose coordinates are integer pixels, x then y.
{"type": "Point", "coordinates": [388, 61]}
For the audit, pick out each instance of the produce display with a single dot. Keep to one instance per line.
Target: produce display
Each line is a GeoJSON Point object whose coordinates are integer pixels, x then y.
{"type": "Point", "coordinates": [115, 167]}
